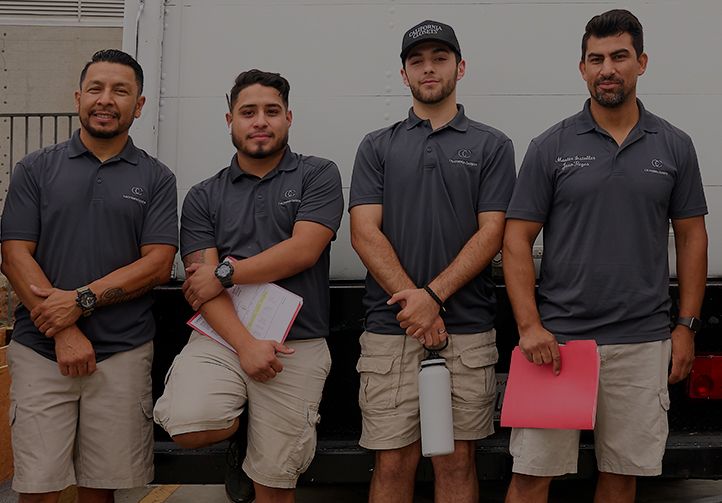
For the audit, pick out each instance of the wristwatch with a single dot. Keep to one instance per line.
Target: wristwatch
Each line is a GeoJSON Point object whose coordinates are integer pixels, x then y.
{"type": "Point", "coordinates": [224, 273]}
{"type": "Point", "coordinates": [86, 300]}
{"type": "Point", "coordinates": [694, 324]}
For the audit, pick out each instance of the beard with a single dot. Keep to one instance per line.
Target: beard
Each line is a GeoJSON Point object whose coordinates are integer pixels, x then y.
{"type": "Point", "coordinates": [610, 99]}
{"type": "Point", "coordinates": [434, 97]}
{"type": "Point", "coordinates": [121, 128]}
{"type": "Point", "coordinates": [260, 152]}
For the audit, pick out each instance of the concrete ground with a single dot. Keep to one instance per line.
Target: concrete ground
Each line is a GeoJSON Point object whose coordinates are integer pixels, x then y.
{"type": "Point", "coordinates": [564, 491]}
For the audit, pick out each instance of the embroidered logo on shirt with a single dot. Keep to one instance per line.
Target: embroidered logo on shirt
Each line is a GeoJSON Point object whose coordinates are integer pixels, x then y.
{"type": "Point", "coordinates": [656, 168]}
{"type": "Point", "coordinates": [137, 193]}
{"type": "Point", "coordinates": [290, 197]}
{"type": "Point", "coordinates": [464, 154]}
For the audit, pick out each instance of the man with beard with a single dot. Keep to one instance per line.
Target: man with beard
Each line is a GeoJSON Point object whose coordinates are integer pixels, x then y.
{"type": "Point", "coordinates": [604, 184]}
{"type": "Point", "coordinates": [275, 212]}
{"type": "Point", "coordinates": [89, 227]}
{"type": "Point", "coordinates": [427, 204]}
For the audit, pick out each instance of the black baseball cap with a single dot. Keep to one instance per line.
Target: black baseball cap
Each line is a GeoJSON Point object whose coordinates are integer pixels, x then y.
{"type": "Point", "coordinates": [426, 31]}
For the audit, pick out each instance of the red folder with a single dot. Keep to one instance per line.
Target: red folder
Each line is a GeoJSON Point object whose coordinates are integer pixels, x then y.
{"type": "Point", "coordinates": [536, 398]}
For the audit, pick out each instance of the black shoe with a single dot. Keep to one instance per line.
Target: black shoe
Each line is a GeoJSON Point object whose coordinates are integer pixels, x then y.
{"type": "Point", "coordinates": [239, 487]}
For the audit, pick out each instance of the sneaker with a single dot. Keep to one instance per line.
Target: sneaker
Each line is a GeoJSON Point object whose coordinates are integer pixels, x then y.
{"type": "Point", "coordinates": [239, 487]}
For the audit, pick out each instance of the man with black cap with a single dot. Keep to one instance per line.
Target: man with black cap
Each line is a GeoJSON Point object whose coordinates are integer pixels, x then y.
{"type": "Point", "coordinates": [427, 204]}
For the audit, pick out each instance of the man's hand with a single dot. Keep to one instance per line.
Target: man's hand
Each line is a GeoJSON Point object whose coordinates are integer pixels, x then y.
{"type": "Point", "coordinates": [258, 359]}
{"type": "Point", "coordinates": [58, 311]}
{"type": "Point", "coordinates": [682, 353]}
{"type": "Point", "coordinates": [538, 345]}
{"type": "Point", "coordinates": [418, 311]}
{"type": "Point", "coordinates": [201, 284]}
{"type": "Point", "coordinates": [436, 335]}
{"type": "Point", "coordinates": [75, 353]}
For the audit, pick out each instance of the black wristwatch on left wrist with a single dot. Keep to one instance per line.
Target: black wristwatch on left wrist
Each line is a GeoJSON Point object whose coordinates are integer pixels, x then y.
{"type": "Point", "coordinates": [86, 300]}
{"type": "Point", "coordinates": [694, 324]}
{"type": "Point", "coordinates": [224, 273]}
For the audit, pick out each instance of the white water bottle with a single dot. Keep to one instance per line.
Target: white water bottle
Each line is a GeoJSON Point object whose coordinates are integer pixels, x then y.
{"type": "Point", "coordinates": [437, 424]}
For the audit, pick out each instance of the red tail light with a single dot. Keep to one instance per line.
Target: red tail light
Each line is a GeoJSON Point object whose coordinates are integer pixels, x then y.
{"type": "Point", "coordinates": [705, 379]}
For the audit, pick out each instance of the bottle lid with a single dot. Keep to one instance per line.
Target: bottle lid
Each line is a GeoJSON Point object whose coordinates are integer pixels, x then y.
{"type": "Point", "coordinates": [430, 362]}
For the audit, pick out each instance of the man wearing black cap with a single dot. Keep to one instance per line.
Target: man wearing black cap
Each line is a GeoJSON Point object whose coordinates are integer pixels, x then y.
{"type": "Point", "coordinates": [428, 197]}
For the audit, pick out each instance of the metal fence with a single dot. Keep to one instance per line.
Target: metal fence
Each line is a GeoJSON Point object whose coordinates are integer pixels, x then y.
{"type": "Point", "coordinates": [21, 134]}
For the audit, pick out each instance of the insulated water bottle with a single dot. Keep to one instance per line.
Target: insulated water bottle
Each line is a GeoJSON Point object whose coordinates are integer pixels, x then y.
{"type": "Point", "coordinates": [437, 425]}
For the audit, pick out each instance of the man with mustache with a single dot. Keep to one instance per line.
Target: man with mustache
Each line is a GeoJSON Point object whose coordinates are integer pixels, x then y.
{"type": "Point", "coordinates": [275, 212]}
{"type": "Point", "coordinates": [428, 196]}
{"type": "Point", "coordinates": [89, 228]}
{"type": "Point", "coordinates": [604, 185]}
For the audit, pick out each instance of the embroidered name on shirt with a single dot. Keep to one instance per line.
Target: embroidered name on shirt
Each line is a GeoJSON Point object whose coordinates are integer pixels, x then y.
{"type": "Point", "coordinates": [575, 161]}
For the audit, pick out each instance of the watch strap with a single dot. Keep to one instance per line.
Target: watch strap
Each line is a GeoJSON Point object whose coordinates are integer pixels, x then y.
{"type": "Point", "coordinates": [694, 324]}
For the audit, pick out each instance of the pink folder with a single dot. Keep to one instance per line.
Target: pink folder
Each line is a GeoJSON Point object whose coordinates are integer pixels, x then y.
{"type": "Point", "coordinates": [536, 398]}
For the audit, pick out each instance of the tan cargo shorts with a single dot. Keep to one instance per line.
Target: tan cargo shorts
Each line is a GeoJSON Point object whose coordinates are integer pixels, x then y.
{"type": "Point", "coordinates": [206, 389]}
{"type": "Point", "coordinates": [631, 425]}
{"type": "Point", "coordinates": [389, 392]}
{"type": "Point", "coordinates": [94, 431]}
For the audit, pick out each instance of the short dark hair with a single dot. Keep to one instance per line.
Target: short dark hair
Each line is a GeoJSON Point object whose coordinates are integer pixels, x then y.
{"type": "Point", "coordinates": [115, 56]}
{"type": "Point", "coordinates": [267, 79]}
{"type": "Point", "coordinates": [614, 22]}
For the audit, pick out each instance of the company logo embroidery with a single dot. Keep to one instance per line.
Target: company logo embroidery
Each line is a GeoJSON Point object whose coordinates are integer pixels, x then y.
{"type": "Point", "coordinates": [575, 161]}
{"type": "Point", "coordinates": [290, 196]}
{"type": "Point", "coordinates": [427, 29]}
{"type": "Point", "coordinates": [464, 154]}
{"type": "Point", "coordinates": [656, 168]}
{"type": "Point", "coordinates": [137, 193]}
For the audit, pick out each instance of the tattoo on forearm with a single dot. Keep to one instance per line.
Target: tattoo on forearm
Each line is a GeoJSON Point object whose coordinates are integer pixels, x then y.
{"type": "Point", "coordinates": [118, 295]}
{"type": "Point", "coordinates": [196, 257]}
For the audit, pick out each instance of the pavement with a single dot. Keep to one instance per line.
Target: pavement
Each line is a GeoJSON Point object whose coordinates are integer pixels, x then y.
{"type": "Point", "coordinates": [563, 491]}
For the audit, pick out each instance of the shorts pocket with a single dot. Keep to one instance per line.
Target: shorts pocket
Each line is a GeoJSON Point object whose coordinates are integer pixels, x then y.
{"type": "Point", "coordinates": [145, 418]}
{"type": "Point", "coordinates": [664, 399]}
{"type": "Point", "coordinates": [12, 413]}
{"type": "Point", "coordinates": [305, 450]}
{"type": "Point", "coordinates": [378, 388]}
{"type": "Point", "coordinates": [473, 379]}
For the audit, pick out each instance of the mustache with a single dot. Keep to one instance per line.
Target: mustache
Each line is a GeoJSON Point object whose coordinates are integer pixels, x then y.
{"type": "Point", "coordinates": [608, 81]}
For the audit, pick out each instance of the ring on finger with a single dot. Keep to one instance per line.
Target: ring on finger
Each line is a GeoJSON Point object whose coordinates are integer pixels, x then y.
{"type": "Point", "coordinates": [441, 331]}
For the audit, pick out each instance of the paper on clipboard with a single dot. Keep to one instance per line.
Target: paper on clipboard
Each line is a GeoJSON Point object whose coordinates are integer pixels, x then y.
{"type": "Point", "coordinates": [266, 310]}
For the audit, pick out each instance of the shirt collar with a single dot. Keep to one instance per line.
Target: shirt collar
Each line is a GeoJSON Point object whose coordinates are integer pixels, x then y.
{"type": "Point", "coordinates": [460, 122]}
{"type": "Point", "coordinates": [586, 123]}
{"type": "Point", "coordinates": [76, 148]}
{"type": "Point", "coordinates": [288, 163]}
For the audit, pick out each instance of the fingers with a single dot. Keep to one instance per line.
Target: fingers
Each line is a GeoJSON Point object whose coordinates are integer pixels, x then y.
{"type": "Point", "coordinates": [394, 298]}
{"type": "Point", "coordinates": [192, 268]}
{"type": "Point", "coordinates": [680, 370]}
{"type": "Point", "coordinates": [280, 348]}
{"type": "Point", "coordinates": [556, 359]}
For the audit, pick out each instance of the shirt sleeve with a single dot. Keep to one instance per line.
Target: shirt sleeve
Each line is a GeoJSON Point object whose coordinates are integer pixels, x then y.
{"type": "Point", "coordinates": [21, 215]}
{"type": "Point", "coordinates": [534, 189]}
{"type": "Point", "coordinates": [322, 199]}
{"type": "Point", "coordinates": [367, 180]}
{"type": "Point", "coordinates": [497, 180]}
{"type": "Point", "coordinates": [161, 220]}
{"type": "Point", "coordinates": [688, 193]}
{"type": "Point", "coordinates": [197, 231]}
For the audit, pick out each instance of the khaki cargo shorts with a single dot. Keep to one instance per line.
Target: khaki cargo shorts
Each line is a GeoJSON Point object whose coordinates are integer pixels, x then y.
{"type": "Point", "coordinates": [631, 426]}
{"type": "Point", "coordinates": [94, 431]}
{"type": "Point", "coordinates": [206, 389]}
{"type": "Point", "coordinates": [389, 391]}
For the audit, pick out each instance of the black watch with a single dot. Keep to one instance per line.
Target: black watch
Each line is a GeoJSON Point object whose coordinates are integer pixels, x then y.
{"type": "Point", "coordinates": [694, 324]}
{"type": "Point", "coordinates": [86, 300]}
{"type": "Point", "coordinates": [224, 273]}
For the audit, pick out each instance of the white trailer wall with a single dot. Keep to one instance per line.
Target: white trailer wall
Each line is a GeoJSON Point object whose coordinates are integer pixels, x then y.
{"type": "Point", "coordinates": [342, 59]}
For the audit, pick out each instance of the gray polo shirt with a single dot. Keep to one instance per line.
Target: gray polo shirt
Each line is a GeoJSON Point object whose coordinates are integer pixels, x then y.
{"type": "Point", "coordinates": [242, 215]}
{"type": "Point", "coordinates": [606, 211]}
{"type": "Point", "coordinates": [432, 185]}
{"type": "Point", "coordinates": [88, 219]}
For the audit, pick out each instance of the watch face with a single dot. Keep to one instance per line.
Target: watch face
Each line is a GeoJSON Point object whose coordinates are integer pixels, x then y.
{"type": "Point", "coordinates": [87, 300]}
{"type": "Point", "coordinates": [224, 270]}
